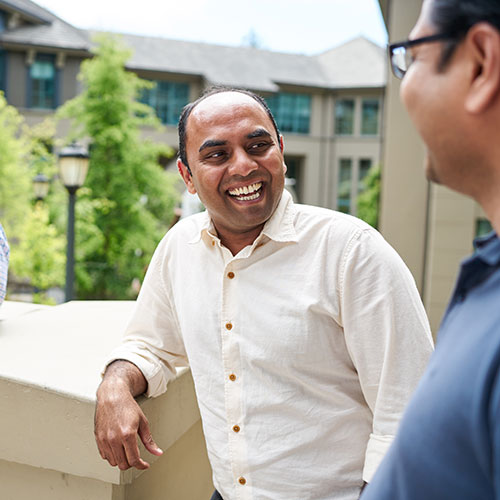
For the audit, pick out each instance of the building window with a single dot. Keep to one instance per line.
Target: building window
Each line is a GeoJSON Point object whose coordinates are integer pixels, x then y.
{"type": "Point", "coordinates": [42, 83]}
{"type": "Point", "coordinates": [167, 99]}
{"type": "Point", "coordinates": [3, 21]}
{"type": "Point", "coordinates": [363, 168]}
{"type": "Point", "coordinates": [369, 117]}
{"type": "Point", "coordinates": [344, 185]}
{"type": "Point", "coordinates": [344, 116]}
{"type": "Point", "coordinates": [291, 111]}
{"type": "Point", "coordinates": [483, 227]}
{"type": "Point", "coordinates": [3, 70]}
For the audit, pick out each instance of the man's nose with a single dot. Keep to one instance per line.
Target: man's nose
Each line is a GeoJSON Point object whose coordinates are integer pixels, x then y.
{"type": "Point", "coordinates": [242, 164]}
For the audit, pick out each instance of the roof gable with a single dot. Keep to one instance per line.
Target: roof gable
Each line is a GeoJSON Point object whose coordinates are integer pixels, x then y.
{"type": "Point", "coordinates": [357, 63]}
{"type": "Point", "coordinates": [29, 11]}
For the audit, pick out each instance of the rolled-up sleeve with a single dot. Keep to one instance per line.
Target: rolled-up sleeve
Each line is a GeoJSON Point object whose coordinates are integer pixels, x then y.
{"type": "Point", "coordinates": [387, 334]}
{"type": "Point", "coordinates": [152, 339]}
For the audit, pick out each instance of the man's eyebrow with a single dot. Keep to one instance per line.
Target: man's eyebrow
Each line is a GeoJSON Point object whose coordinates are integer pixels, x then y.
{"type": "Point", "coordinates": [260, 132]}
{"type": "Point", "coordinates": [210, 143]}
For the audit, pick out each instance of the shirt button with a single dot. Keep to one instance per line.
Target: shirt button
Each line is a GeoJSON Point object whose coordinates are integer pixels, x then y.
{"type": "Point", "coordinates": [242, 480]}
{"type": "Point", "coordinates": [213, 243]}
{"type": "Point", "coordinates": [230, 275]}
{"type": "Point", "coordinates": [229, 326]}
{"type": "Point", "coordinates": [236, 428]}
{"type": "Point", "coordinates": [232, 377]}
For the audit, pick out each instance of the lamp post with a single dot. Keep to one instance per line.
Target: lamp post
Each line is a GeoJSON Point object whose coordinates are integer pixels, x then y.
{"type": "Point", "coordinates": [40, 186]}
{"type": "Point", "coordinates": [73, 167]}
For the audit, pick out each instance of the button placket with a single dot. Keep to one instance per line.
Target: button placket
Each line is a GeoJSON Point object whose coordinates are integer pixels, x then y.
{"type": "Point", "coordinates": [232, 376]}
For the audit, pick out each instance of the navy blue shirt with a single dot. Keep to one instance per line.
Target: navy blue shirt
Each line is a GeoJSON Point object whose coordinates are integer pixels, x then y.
{"type": "Point", "coordinates": [448, 444]}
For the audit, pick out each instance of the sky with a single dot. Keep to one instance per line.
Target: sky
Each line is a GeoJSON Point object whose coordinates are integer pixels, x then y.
{"type": "Point", "coordinates": [299, 26]}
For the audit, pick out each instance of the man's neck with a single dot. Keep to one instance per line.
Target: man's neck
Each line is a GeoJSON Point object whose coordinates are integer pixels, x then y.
{"type": "Point", "coordinates": [235, 242]}
{"type": "Point", "coordinates": [489, 200]}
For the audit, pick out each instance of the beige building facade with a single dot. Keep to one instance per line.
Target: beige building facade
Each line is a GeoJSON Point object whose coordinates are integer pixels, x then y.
{"type": "Point", "coordinates": [429, 225]}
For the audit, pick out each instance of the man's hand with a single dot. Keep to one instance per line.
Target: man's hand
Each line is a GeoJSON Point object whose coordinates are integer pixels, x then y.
{"type": "Point", "coordinates": [119, 419]}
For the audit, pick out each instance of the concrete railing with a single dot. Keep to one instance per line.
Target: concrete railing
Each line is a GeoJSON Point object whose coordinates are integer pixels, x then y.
{"type": "Point", "coordinates": [50, 361]}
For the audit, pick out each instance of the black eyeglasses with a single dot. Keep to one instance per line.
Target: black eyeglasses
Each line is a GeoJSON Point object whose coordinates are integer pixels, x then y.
{"type": "Point", "coordinates": [401, 58]}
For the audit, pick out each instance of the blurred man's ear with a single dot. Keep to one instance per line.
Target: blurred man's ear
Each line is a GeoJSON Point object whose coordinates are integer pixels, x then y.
{"type": "Point", "coordinates": [482, 45]}
{"type": "Point", "coordinates": [282, 149]}
{"type": "Point", "coordinates": [186, 176]}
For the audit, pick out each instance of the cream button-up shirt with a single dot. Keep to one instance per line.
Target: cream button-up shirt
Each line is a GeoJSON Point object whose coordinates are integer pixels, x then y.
{"type": "Point", "coordinates": [304, 348]}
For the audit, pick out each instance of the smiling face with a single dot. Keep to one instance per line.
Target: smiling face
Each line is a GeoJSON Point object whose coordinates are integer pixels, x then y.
{"type": "Point", "coordinates": [237, 165]}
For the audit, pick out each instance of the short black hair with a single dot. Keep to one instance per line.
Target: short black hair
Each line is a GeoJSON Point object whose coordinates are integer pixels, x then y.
{"type": "Point", "coordinates": [456, 17]}
{"type": "Point", "coordinates": [186, 111]}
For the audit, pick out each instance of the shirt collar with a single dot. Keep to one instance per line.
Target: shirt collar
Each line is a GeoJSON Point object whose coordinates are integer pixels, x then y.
{"type": "Point", "coordinates": [279, 227]}
{"type": "Point", "coordinates": [488, 249]}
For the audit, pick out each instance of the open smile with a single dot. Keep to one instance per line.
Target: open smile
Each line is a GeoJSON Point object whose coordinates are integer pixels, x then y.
{"type": "Point", "coordinates": [247, 193]}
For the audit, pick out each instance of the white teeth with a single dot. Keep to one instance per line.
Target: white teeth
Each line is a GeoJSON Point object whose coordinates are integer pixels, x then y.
{"type": "Point", "coordinates": [246, 198]}
{"type": "Point", "coordinates": [246, 190]}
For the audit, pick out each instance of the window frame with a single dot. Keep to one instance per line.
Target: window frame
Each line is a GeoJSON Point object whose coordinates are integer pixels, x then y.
{"type": "Point", "coordinates": [364, 101]}
{"type": "Point", "coordinates": [336, 127]}
{"type": "Point", "coordinates": [43, 57]}
{"type": "Point", "coordinates": [3, 71]}
{"type": "Point", "coordinates": [292, 111]}
{"type": "Point", "coordinates": [167, 112]}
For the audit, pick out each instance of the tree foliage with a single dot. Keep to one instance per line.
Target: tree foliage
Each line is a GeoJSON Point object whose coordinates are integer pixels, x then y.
{"type": "Point", "coordinates": [37, 248]}
{"type": "Point", "coordinates": [15, 180]}
{"type": "Point", "coordinates": [369, 198]}
{"type": "Point", "coordinates": [129, 200]}
{"type": "Point", "coordinates": [39, 256]}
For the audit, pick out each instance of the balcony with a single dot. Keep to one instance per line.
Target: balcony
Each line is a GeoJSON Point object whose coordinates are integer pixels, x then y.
{"type": "Point", "coordinates": [50, 360]}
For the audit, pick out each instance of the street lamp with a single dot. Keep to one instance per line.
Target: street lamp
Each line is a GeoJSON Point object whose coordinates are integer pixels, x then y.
{"type": "Point", "coordinates": [40, 186]}
{"type": "Point", "coordinates": [73, 166]}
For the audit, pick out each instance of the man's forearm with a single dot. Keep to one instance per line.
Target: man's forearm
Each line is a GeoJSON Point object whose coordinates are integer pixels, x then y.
{"type": "Point", "coordinates": [124, 374]}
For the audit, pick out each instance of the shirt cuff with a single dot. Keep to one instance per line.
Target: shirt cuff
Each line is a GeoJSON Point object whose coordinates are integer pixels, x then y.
{"type": "Point", "coordinates": [153, 373]}
{"type": "Point", "coordinates": [375, 450]}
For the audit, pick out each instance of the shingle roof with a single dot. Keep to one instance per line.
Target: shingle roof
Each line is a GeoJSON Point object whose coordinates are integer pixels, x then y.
{"type": "Point", "coordinates": [29, 9]}
{"type": "Point", "coordinates": [236, 66]}
{"type": "Point", "coordinates": [358, 63]}
{"type": "Point", "coordinates": [52, 32]}
{"type": "Point", "coordinates": [58, 34]}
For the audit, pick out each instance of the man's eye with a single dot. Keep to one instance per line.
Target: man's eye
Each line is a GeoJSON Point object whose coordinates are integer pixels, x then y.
{"type": "Point", "coordinates": [215, 155]}
{"type": "Point", "coordinates": [259, 146]}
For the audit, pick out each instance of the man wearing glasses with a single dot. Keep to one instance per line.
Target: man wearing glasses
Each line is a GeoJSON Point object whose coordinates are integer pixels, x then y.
{"type": "Point", "coordinates": [448, 444]}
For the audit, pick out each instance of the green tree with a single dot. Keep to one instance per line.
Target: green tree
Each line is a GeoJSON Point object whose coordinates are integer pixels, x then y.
{"type": "Point", "coordinates": [39, 255]}
{"type": "Point", "coordinates": [129, 200]}
{"type": "Point", "coordinates": [37, 247]}
{"type": "Point", "coordinates": [369, 198]}
{"type": "Point", "coordinates": [15, 179]}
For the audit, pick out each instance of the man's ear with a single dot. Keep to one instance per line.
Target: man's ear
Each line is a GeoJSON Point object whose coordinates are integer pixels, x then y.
{"type": "Point", "coordinates": [282, 149]}
{"type": "Point", "coordinates": [186, 176]}
{"type": "Point", "coordinates": [483, 48]}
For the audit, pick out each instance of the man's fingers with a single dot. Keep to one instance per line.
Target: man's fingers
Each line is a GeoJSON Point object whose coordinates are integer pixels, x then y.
{"type": "Point", "coordinates": [121, 458]}
{"type": "Point", "coordinates": [106, 454]}
{"type": "Point", "coordinates": [132, 453]}
{"type": "Point", "coordinates": [147, 439]}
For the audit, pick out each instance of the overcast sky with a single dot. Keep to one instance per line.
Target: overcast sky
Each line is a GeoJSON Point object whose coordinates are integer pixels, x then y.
{"type": "Point", "coordinates": [301, 26]}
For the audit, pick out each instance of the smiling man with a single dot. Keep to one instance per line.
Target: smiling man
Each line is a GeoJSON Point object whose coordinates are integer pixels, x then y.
{"type": "Point", "coordinates": [303, 329]}
{"type": "Point", "coordinates": [448, 446]}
